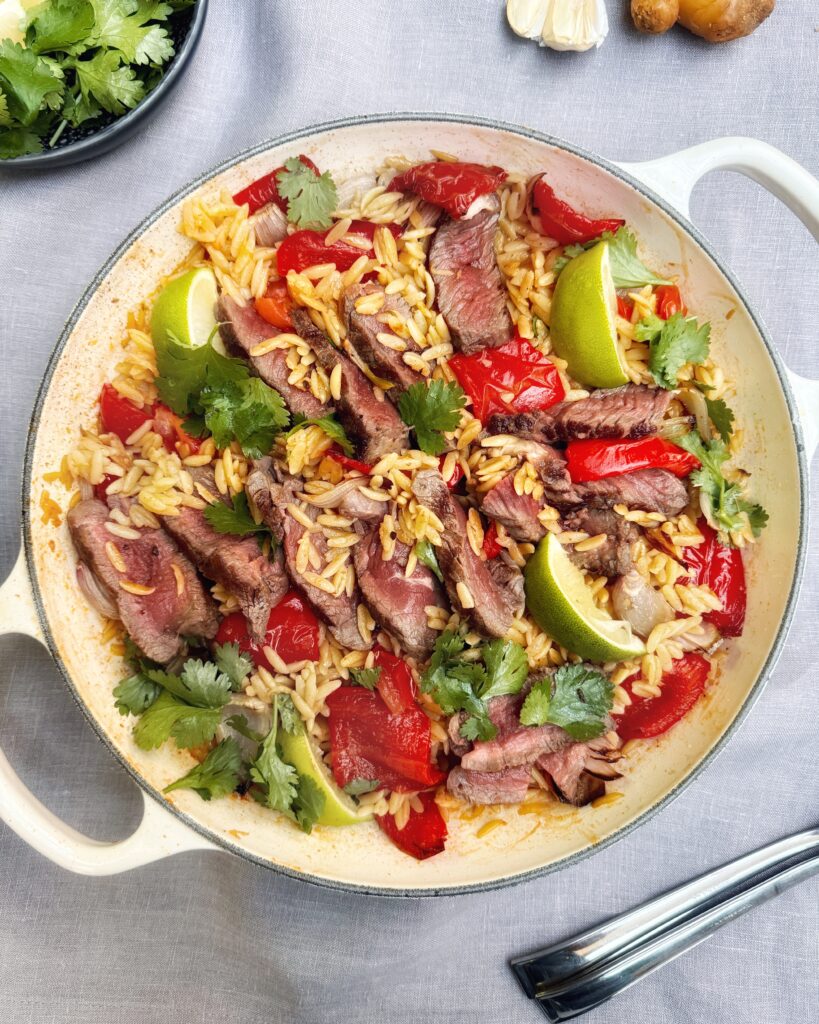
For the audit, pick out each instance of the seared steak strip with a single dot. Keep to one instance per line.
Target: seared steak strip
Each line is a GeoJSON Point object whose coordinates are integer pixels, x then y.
{"type": "Point", "coordinates": [375, 427]}
{"type": "Point", "coordinates": [517, 512]}
{"type": "Point", "coordinates": [464, 573]}
{"type": "Point", "coordinates": [256, 581]}
{"type": "Point", "coordinates": [271, 498]}
{"type": "Point", "coordinates": [632, 411]}
{"type": "Point", "coordinates": [397, 602]}
{"type": "Point", "coordinates": [363, 330]}
{"type": "Point", "coordinates": [510, 580]}
{"type": "Point", "coordinates": [613, 557]}
{"type": "Point", "coordinates": [242, 329]}
{"type": "Point", "coordinates": [470, 289]}
{"type": "Point", "coordinates": [175, 603]}
{"type": "Point", "coordinates": [578, 772]}
{"type": "Point", "coordinates": [508, 786]}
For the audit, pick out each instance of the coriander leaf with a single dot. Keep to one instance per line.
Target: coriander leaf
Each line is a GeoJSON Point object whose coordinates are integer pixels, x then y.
{"type": "Point", "coordinates": [236, 520]}
{"type": "Point", "coordinates": [432, 410]}
{"type": "Point", "coordinates": [649, 328]}
{"type": "Point", "coordinates": [216, 776]}
{"type": "Point", "coordinates": [288, 716]}
{"type": "Point", "coordinates": [721, 416]}
{"type": "Point", "coordinates": [569, 253]}
{"type": "Point", "coordinates": [757, 516]}
{"type": "Point", "coordinates": [78, 108]}
{"type": "Point", "coordinates": [233, 663]}
{"type": "Point", "coordinates": [18, 142]}
{"type": "Point", "coordinates": [270, 771]}
{"type": "Point", "coordinates": [247, 410]}
{"type": "Point", "coordinates": [121, 25]}
{"type": "Point", "coordinates": [5, 116]}
{"type": "Point", "coordinates": [309, 803]}
{"type": "Point", "coordinates": [168, 716]}
{"type": "Point", "coordinates": [358, 787]}
{"type": "Point", "coordinates": [575, 697]}
{"type": "Point", "coordinates": [680, 341]}
{"type": "Point", "coordinates": [506, 668]}
{"type": "Point", "coordinates": [135, 694]}
{"type": "Point", "coordinates": [331, 427]}
{"type": "Point", "coordinates": [200, 684]}
{"type": "Point", "coordinates": [185, 372]}
{"type": "Point", "coordinates": [311, 198]}
{"type": "Point", "coordinates": [113, 85]}
{"type": "Point", "coordinates": [239, 724]}
{"type": "Point", "coordinates": [366, 677]}
{"type": "Point", "coordinates": [478, 727]}
{"type": "Point", "coordinates": [425, 553]}
{"type": "Point", "coordinates": [626, 268]}
{"type": "Point", "coordinates": [454, 683]}
{"type": "Point", "coordinates": [28, 82]}
{"type": "Point", "coordinates": [58, 25]}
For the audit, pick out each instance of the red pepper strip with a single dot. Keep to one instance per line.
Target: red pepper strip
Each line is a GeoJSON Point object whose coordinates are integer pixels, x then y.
{"type": "Point", "coordinates": [369, 743]}
{"type": "Point", "coordinates": [513, 378]}
{"type": "Point", "coordinates": [275, 305]}
{"type": "Point", "coordinates": [669, 301]}
{"type": "Point", "coordinates": [169, 427]}
{"type": "Point", "coordinates": [682, 687]}
{"type": "Point", "coordinates": [306, 248]}
{"type": "Point", "coordinates": [721, 568]}
{"type": "Point", "coordinates": [343, 460]}
{"type": "Point", "coordinates": [554, 218]}
{"type": "Point", "coordinates": [491, 547]}
{"type": "Point", "coordinates": [457, 473]}
{"type": "Point", "coordinates": [395, 684]}
{"type": "Point", "coordinates": [594, 460]}
{"type": "Point", "coordinates": [625, 307]}
{"type": "Point", "coordinates": [119, 416]}
{"type": "Point", "coordinates": [292, 632]}
{"type": "Point", "coordinates": [455, 186]}
{"type": "Point", "coordinates": [425, 832]}
{"type": "Point", "coordinates": [101, 489]}
{"type": "Point", "coordinates": [266, 189]}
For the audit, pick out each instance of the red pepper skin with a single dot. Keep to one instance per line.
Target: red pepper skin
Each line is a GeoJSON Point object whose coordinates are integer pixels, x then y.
{"type": "Point", "coordinates": [554, 218]}
{"type": "Point", "coordinates": [266, 189]}
{"type": "Point", "coordinates": [625, 307]}
{"type": "Point", "coordinates": [517, 369]}
{"type": "Point", "coordinates": [395, 684]}
{"type": "Point", "coordinates": [169, 427]}
{"type": "Point", "coordinates": [596, 459]}
{"type": "Point", "coordinates": [457, 473]}
{"type": "Point", "coordinates": [306, 248]}
{"type": "Point", "coordinates": [275, 305]}
{"type": "Point", "coordinates": [683, 685]}
{"type": "Point", "coordinates": [454, 186]}
{"type": "Point", "coordinates": [669, 301]}
{"type": "Point", "coordinates": [119, 416]}
{"type": "Point", "coordinates": [370, 743]}
{"type": "Point", "coordinates": [491, 547]}
{"type": "Point", "coordinates": [343, 460]}
{"type": "Point", "coordinates": [292, 632]}
{"type": "Point", "coordinates": [101, 489]}
{"type": "Point", "coordinates": [425, 832]}
{"type": "Point", "coordinates": [721, 568]}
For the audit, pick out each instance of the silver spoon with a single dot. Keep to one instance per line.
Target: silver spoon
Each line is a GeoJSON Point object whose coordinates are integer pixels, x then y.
{"type": "Point", "coordinates": [574, 976]}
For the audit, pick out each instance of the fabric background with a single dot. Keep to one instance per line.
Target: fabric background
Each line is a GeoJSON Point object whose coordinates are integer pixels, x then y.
{"type": "Point", "coordinates": [206, 937]}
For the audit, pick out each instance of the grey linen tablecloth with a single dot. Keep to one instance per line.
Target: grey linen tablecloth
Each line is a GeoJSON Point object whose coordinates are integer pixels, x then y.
{"type": "Point", "coordinates": [206, 937]}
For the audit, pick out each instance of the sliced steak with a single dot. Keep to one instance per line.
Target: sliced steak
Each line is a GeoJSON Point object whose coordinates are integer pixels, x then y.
{"type": "Point", "coordinates": [178, 605]}
{"type": "Point", "coordinates": [361, 508]}
{"type": "Point", "coordinates": [510, 580]}
{"type": "Point", "coordinates": [631, 411]}
{"type": "Point", "coordinates": [241, 329]}
{"type": "Point", "coordinates": [374, 426]}
{"type": "Point", "coordinates": [578, 772]}
{"type": "Point", "coordinates": [613, 557]}
{"type": "Point", "coordinates": [491, 613]}
{"type": "Point", "coordinates": [256, 581]}
{"type": "Point", "coordinates": [523, 745]}
{"type": "Point", "coordinates": [517, 512]}
{"type": "Point", "coordinates": [504, 714]}
{"type": "Point", "coordinates": [271, 498]}
{"type": "Point", "coordinates": [363, 330]}
{"type": "Point", "coordinates": [504, 787]}
{"type": "Point", "coordinates": [470, 289]}
{"type": "Point", "coordinates": [397, 602]}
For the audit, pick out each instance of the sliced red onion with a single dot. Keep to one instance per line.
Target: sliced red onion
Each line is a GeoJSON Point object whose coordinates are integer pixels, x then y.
{"type": "Point", "coordinates": [270, 225]}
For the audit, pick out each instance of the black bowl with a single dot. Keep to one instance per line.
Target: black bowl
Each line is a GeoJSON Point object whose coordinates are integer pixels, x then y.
{"type": "Point", "coordinates": [84, 142]}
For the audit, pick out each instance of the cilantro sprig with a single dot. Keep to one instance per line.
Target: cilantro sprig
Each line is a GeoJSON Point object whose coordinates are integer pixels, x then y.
{"type": "Point", "coordinates": [575, 697]}
{"type": "Point", "coordinates": [311, 198]}
{"type": "Point", "coordinates": [366, 677]}
{"type": "Point", "coordinates": [217, 775]}
{"type": "Point", "coordinates": [425, 553]}
{"type": "Point", "coordinates": [234, 519]}
{"type": "Point", "coordinates": [432, 410]}
{"type": "Point", "coordinates": [673, 343]}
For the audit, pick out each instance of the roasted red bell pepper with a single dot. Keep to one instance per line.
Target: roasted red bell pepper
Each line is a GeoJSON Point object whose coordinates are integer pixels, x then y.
{"type": "Point", "coordinates": [292, 632]}
{"type": "Point", "coordinates": [169, 427]}
{"type": "Point", "coordinates": [719, 567]}
{"type": "Point", "coordinates": [454, 186]}
{"type": "Point", "coordinates": [101, 489]}
{"type": "Point", "coordinates": [395, 684]}
{"type": "Point", "coordinates": [669, 301]}
{"type": "Point", "coordinates": [275, 305]}
{"type": "Point", "coordinates": [515, 377]}
{"type": "Point", "coordinates": [595, 459]}
{"type": "Point", "coordinates": [367, 742]}
{"type": "Point", "coordinates": [306, 248]}
{"type": "Point", "coordinates": [338, 456]}
{"type": "Point", "coordinates": [491, 547]}
{"type": "Point", "coordinates": [554, 218]}
{"type": "Point", "coordinates": [425, 832]}
{"type": "Point", "coordinates": [119, 416]}
{"type": "Point", "coordinates": [456, 476]}
{"type": "Point", "coordinates": [682, 686]}
{"type": "Point", "coordinates": [266, 189]}
{"type": "Point", "coordinates": [625, 307]}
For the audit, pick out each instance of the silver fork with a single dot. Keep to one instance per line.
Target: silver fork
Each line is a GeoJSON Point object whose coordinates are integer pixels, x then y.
{"type": "Point", "coordinates": [572, 977]}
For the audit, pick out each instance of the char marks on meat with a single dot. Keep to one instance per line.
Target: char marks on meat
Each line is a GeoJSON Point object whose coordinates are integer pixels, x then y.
{"type": "Point", "coordinates": [271, 498]}
{"type": "Point", "coordinates": [632, 411]}
{"type": "Point", "coordinates": [374, 426]}
{"type": "Point", "coordinates": [510, 580]}
{"type": "Point", "coordinates": [397, 602]}
{"type": "Point", "coordinates": [363, 330]}
{"type": "Point", "coordinates": [579, 771]}
{"type": "Point", "coordinates": [517, 512]}
{"type": "Point", "coordinates": [256, 581]}
{"type": "Point", "coordinates": [177, 604]}
{"type": "Point", "coordinates": [459, 564]}
{"type": "Point", "coordinates": [508, 786]}
{"type": "Point", "coordinates": [613, 556]}
{"type": "Point", "coordinates": [242, 329]}
{"type": "Point", "coordinates": [471, 293]}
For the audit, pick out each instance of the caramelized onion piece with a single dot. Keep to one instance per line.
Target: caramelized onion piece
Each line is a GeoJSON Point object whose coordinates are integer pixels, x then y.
{"type": "Point", "coordinates": [94, 593]}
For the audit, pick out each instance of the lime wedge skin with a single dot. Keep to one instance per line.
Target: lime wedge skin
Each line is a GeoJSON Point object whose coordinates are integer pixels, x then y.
{"type": "Point", "coordinates": [184, 309]}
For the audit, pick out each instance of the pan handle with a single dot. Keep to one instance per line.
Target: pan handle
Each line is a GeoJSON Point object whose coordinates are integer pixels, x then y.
{"type": "Point", "coordinates": [673, 177]}
{"type": "Point", "coordinates": [158, 835]}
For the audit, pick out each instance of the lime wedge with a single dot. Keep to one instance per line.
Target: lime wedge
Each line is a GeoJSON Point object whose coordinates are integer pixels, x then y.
{"type": "Point", "coordinates": [563, 606]}
{"type": "Point", "coordinates": [299, 750]}
{"type": "Point", "coordinates": [582, 326]}
{"type": "Point", "coordinates": [185, 309]}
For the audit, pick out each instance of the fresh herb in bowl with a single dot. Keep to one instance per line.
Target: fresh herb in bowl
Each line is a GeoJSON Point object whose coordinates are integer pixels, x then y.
{"type": "Point", "coordinates": [81, 64]}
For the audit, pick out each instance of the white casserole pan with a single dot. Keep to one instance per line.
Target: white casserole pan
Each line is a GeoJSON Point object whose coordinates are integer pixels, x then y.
{"type": "Point", "coordinates": [778, 411]}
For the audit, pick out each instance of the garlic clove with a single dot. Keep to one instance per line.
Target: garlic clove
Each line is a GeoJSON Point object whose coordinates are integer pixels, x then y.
{"type": "Point", "coordinates": [526, 17]}
{"type": "Point", "coordinates": [574, 24]}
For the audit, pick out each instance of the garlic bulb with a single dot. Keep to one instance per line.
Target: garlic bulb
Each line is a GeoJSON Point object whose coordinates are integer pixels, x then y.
{"type": "Point", "coordinates": [560, 24]}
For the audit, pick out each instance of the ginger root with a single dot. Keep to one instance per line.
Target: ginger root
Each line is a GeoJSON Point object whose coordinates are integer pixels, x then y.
{"type": "Point", "coordinates": [716, 21]}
